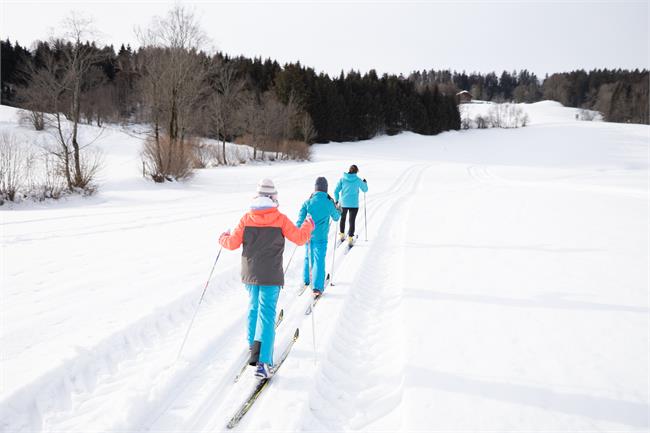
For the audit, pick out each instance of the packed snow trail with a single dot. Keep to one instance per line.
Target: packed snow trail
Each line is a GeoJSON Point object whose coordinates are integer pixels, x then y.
{"type": "Point", "coordinates": [361, 376]}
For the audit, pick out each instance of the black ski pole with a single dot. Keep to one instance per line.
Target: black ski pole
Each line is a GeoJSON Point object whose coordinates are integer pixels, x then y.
{"type": "Point", "coordinates": [199, 304]}
{"type": "Point", "coordinates": [365, 215]}
{"type": "Point", "coordinates": [333, 257]}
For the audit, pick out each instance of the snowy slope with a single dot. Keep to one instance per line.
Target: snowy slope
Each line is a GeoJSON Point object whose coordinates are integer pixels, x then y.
{"type": "Point", "coordinates": [543, 112]}
{"type": "Point", "coordinates": [503, 287]}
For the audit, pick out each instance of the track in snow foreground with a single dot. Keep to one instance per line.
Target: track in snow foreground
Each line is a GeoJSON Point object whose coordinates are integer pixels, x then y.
{"type": "Point", "coordinates": [359, 381]}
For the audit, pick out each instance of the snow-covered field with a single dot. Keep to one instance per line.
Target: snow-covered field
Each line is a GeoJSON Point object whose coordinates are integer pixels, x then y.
{"type": "Point", "coordinates": [503, 287]}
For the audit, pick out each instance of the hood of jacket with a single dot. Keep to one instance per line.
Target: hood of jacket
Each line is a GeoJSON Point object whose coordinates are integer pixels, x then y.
{"type": "Point", "coordinates": [263, 202]}
{"type": "Point", "coordinates": [264, 217]}
{"type": "Point", "coordinates": [350, 177]}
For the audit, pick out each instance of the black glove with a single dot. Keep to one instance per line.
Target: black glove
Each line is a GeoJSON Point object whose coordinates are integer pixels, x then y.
{"type": "Point", "coordinates": [330, 197]}
{"type": "Point", "coordinates": [364, 181]}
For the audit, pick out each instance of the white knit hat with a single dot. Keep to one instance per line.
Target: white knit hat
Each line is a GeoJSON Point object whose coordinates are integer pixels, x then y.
{"type": "Point", "coordinates": [266, 188]}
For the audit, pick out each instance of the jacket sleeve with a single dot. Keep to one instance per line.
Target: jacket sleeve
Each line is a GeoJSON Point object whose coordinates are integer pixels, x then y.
{"type": "Point", "coordinates": [302, 215]}
{"type": "Point", "coordinates": [235, 239]}
{"type": "Point", "coordinates": [334, 212]}
{"type": "Point", "coordinates": [298, 236]}
{"type": "Point", "coordinates": [363, 185]}
{"type": "Point", "coordinates": [337, 190]}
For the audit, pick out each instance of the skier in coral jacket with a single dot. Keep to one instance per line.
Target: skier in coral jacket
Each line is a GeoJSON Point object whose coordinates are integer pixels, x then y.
{"type": "Point", "coordinates": [262, 231]}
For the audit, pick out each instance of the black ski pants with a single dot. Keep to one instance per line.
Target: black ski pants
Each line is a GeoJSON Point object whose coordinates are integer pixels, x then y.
{"type": "Point", "coordinates": [353, 216]}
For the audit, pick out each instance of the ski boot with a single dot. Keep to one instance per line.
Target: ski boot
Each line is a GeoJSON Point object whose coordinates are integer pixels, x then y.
{"type": "Point", "coordinates": [350, 241]}
{"type": "Point", "coordinates": [254, 353]}
{"type": "Point", "coordinates": [263, 371]}
{"type": "Point", "coordinates": [341, 237]}
{"type": "Point", "coordinates": [317, 294]}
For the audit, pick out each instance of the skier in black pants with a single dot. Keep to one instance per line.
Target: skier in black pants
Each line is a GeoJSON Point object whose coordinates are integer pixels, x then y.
{"type": "Point", "coordinates": [348, 189]}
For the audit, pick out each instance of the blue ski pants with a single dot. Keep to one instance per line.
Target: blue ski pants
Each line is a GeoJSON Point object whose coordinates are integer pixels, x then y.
{"type": "Point", "coordinates": [318, 252]}
{"type": "Point", "coordinates": [261, 319]}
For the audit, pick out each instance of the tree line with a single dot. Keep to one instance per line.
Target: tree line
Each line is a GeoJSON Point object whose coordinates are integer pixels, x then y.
{"type": "Point", "coordinates": [345, 108]}
{"type": "Point", "coordinates": [620, 95]}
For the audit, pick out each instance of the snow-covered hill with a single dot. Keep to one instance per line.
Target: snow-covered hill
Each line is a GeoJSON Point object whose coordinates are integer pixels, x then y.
{"type": "Point", "coordinates": [543, 112]}
{"type": "Point", "coordinates": [503, 287]}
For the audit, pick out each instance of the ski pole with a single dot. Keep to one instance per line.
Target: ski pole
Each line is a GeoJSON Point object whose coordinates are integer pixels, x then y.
{"type": "Point", "coordinates": [365, 215]}
{"type": "Point", "coordinates": [290, 258]}
{"type": "Point", "coordinates": [333, 258]}
{"type": "Point", "coordinates": [311, 282]}
{"type": "Point", "coordinates": [198, 305]}
{"type": "Point", "coordinates": [313, 333]}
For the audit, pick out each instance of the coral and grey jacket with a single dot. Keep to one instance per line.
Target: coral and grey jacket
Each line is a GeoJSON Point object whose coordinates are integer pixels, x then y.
{"type": "Point", "coordinates": [262, 232]}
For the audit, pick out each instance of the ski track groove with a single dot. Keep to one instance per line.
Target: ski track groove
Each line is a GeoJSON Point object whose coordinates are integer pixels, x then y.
{"type": "Point", "coordinates": [136, 342]}
{"type": "Point", "coordinates": [362, 360]}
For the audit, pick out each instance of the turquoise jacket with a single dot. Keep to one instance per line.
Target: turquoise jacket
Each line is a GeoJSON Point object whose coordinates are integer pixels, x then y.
{"type": "Point", "coordinates": [348, 187]}
{"type": "Point", "coordinates": [321, 208]}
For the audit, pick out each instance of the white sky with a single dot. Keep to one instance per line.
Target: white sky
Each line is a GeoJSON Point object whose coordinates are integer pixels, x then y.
{"type": "Point", "coordinates": [393, 37]}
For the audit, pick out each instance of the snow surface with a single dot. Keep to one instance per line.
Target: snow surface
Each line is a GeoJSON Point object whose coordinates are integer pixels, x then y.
{"type": "Point", "coordinates": [543, 112]}
{"type": "Point", "coordinates": [503, 287]}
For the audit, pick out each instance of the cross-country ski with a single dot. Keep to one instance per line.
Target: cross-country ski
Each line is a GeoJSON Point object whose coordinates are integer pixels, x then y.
{"type": "Point", "coordinates": [259, 388]}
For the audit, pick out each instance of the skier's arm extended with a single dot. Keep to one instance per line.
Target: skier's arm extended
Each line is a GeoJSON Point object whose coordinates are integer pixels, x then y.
{"type": "Point", "coordinates": [337, 191]}
{"type": "Point", "coordinates": [334, 211]}
{"type": "Point", "coordinates": [298, 236]}
{"type": "Point", "coordinates": [232, 241]}
{"type": "Point", "coordinates": [302, 215]}
{"type": "Point", "coordinates": [363, 185]}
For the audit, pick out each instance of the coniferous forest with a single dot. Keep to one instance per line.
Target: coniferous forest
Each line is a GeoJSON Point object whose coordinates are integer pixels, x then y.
{"type": "Point", "coordinates": [349, 107]}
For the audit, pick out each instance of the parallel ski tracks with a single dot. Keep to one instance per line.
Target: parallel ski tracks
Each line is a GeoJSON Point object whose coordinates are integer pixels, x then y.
{"type": "Point", "coordinates": [187, 386]}
{"type": "Point", "coordinates": [402, 186]}
{"type": "Point", "coordinates": [362, 360]}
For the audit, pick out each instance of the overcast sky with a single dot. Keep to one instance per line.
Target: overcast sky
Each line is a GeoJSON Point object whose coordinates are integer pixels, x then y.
{"type": "Point", "coordinates": [393, 37]}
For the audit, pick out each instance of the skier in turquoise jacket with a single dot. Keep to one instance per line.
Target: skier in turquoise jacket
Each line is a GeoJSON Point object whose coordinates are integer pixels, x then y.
{"type": "Point", "coordinates": [320, 206]}
{"type": "Point", "coordinates": [348, 189]}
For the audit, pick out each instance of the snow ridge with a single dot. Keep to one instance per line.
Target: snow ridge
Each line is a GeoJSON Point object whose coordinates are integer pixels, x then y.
{"type": "Point", "coordinates": [360, 380]}
{"type": "Point", "coordinates": [96, 368]}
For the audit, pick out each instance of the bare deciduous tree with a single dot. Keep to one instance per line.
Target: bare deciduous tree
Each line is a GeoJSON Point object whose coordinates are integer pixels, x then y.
{"type": "Point", "coordinates": [225, 103]}
{"type": "Point", "coordinates": [173, 83]}
{"type": "Point", "coordinates": [46, 93]}
{"type": "Point", "coordinates": [56, 86]}
{"type": "Point", "coordinates": [252, 122]}
{"type": "Point", "coordinates": [78, 62]}
{"type": "Point", "coordinates": [14, 166]}
{"type": "Point", "coordinates": [306, 127]}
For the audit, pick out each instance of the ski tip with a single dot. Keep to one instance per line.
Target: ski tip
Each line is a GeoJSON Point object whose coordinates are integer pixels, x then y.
{"type": "Point", "coordinates": [281, 315]}
{"type": "Point", "coordinates": [296, 334]}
